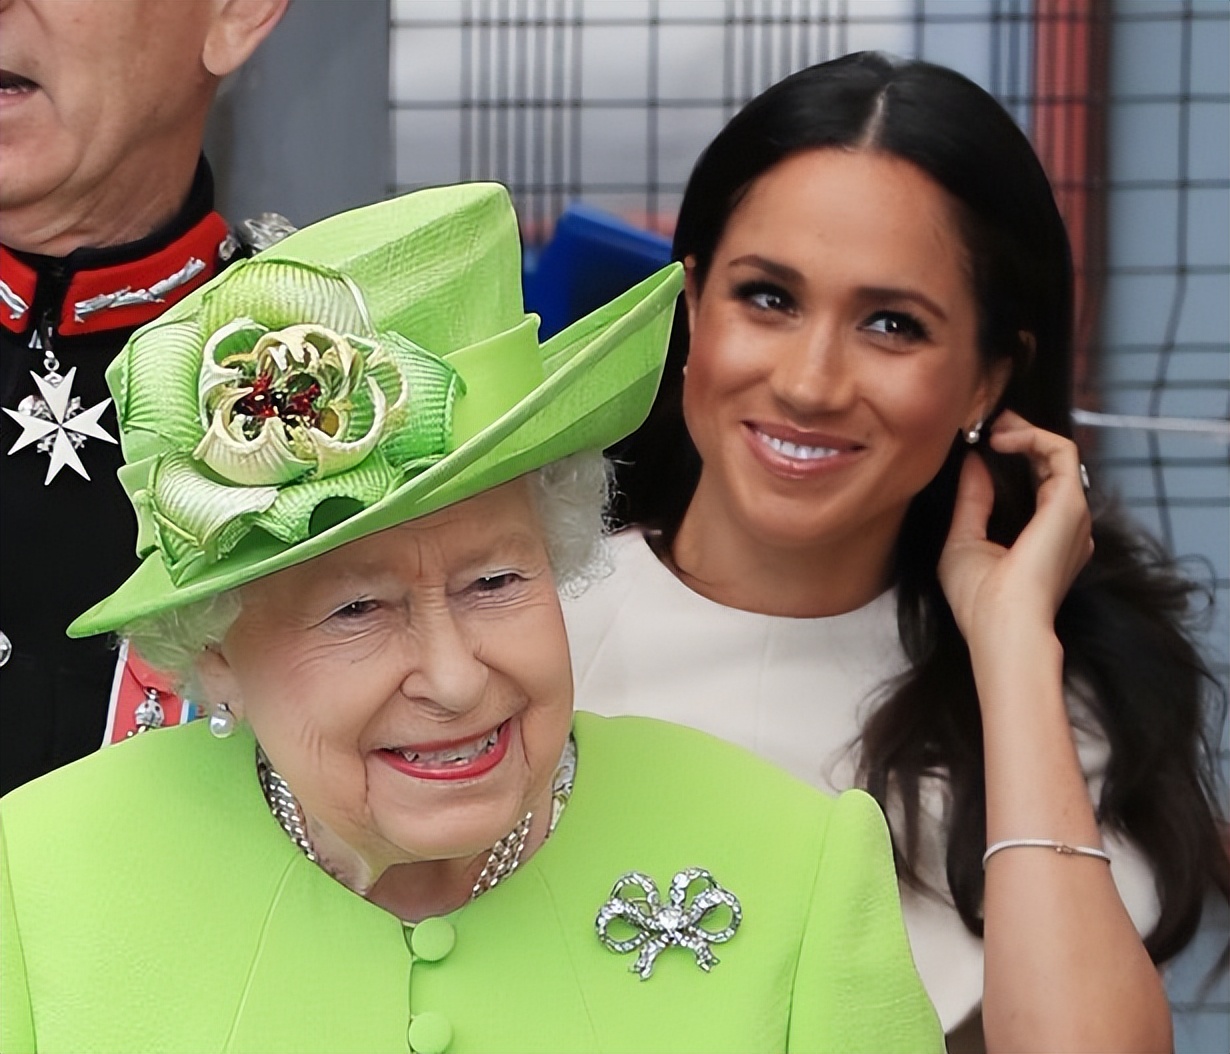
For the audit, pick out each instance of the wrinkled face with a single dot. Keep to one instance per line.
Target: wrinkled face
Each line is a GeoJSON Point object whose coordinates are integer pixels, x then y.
{"type": "Point", "coordinates": [91, 87]}
{"type": "Point", "coordinates": [833, 351]}
{"type": "Point", "coordinates": [413, 687]}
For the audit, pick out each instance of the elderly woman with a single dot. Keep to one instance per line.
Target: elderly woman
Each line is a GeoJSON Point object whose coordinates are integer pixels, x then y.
{"type": "Point", "coordinates": [358, 478]}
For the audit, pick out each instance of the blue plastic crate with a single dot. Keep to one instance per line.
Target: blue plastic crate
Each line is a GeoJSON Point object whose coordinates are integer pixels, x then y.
{"type": "Point", "coordinates": [592, 258]}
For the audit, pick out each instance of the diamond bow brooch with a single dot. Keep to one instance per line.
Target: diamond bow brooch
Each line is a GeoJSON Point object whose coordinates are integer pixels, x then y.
{"type": "Point", "coordinates": [635, 906]}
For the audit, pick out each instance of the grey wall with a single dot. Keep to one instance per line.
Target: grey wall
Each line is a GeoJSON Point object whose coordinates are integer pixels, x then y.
{"type": "Point", "coordinates": [303, 128]}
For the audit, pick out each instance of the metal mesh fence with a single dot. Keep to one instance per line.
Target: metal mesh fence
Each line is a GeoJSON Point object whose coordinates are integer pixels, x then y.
{"type": "Point", "coordinates": [612, 100]}
{"type": "Point", "coordinates": [1165, 326]}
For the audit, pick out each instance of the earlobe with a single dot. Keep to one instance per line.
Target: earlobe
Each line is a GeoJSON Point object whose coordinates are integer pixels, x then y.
{"type": "Point", "coordinates": [993, 386]}
{"type": "Point", "coordinates": [1029, 348]}
{"type": "Point", "coordinates": [691, 290]}
{"type": "Point", "coordinates": [218, 682]}
{"type": "Point", "coordinates": [237, 29]}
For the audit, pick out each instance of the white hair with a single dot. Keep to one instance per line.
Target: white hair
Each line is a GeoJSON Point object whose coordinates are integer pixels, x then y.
{"type": "Point", "coordinates": [570, 497]}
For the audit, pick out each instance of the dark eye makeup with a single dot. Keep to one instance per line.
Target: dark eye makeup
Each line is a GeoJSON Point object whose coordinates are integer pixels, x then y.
{"type": "Point", "coordinates": [764, 296]}
{"type": "Point", "coordinates": [899, 325]}
{"type": "Point", "coordinates": [771, 298]}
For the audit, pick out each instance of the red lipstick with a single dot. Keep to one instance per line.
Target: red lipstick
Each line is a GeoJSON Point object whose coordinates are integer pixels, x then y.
{"type": "Point", "coordinates": [457, 759]}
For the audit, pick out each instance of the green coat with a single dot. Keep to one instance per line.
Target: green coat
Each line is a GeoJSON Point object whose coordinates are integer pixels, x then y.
{"type": "Point", "coordinates": [151, 903]}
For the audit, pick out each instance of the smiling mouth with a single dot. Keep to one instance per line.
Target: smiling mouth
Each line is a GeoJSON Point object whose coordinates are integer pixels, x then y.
{"type": "Point", "coordinates": [459, 760]}
{"type": "Point", "coordinates": [799, 451]}
{"type": "Point", "coordinates": [13, 84]}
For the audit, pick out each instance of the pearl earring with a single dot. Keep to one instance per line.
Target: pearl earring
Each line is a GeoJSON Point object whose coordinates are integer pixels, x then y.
{"type": "Point", "coordinates": [974, 434]}
{"type": "Point", "coordinates": [221, 721]}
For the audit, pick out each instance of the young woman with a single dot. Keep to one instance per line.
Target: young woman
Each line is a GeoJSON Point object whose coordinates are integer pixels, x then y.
{"type": "Point", "coordinates": [866, 552]}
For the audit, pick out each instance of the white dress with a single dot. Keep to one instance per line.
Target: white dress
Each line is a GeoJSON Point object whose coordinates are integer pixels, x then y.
{"type": "Point", "coordinates": [795, 691]}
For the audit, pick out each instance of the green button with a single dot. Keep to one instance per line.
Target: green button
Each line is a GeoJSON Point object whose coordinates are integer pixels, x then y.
{"type": "Point", "coordinates": [433, 939]}
{"type": "Point", "coordinates": [429, 1033]}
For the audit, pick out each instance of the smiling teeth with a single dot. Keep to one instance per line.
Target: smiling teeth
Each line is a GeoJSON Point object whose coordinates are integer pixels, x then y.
{"type": "Point", "coordinates": [457, 755]}
{"type": "Point", "coordinates": [795, 450]}
{"type": "Point", "coordinates": [13, 84]}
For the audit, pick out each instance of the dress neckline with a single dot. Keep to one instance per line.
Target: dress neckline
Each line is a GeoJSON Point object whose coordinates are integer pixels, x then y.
{"type": "Point", "coordinates": [636, 546]}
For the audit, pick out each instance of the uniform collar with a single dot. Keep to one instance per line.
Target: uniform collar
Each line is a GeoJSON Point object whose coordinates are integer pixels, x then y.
{"type": "Point", "coordinates": [121, 286]}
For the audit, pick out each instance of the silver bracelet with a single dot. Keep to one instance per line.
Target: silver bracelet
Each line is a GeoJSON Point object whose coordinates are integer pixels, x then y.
{"type": "Point", "coordinates": [1043, 843]}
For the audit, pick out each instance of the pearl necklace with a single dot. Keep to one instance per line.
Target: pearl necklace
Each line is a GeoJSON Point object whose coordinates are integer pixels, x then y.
{"type": "Point", "coordinates": [284, 805]}
{"type": "Point", "coordinates": [505, 856]}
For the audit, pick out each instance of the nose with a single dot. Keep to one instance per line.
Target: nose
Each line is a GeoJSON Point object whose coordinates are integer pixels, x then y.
{"type": "Point", "coordinates": [446, 676]}
{"type": "Point", "coordinates": [814, 374]}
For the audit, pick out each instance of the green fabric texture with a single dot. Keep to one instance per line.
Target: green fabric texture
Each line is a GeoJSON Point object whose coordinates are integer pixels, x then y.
{"type": "Point", "coordinates": [151, 903]}
{"type": "Point", "coordinates": [365, 371]}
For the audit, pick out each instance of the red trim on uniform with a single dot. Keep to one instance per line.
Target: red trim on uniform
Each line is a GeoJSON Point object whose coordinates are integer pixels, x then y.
{"type": "Point", "coordinates": [23, 280]}
{"type": "Point", "coordinates": [201, 241]}
{"type": "Point", "coordinates": [134, 679]}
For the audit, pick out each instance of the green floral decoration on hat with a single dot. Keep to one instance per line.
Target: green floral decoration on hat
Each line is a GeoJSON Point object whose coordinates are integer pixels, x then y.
{"type": "Point", "coordinates": [276, 397]}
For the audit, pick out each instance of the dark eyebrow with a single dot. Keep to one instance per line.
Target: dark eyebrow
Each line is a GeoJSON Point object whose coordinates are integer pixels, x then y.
{"type": "Point", "coordinates": [878, 293]}
{"type": "Point", "coordinates": [780, 271]}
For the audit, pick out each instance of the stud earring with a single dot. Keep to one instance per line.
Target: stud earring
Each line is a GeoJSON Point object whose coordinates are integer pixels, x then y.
{"type": "Point", "coordinates": [221, 721]}
{"type": "Point", "coordinates": [974, 434]}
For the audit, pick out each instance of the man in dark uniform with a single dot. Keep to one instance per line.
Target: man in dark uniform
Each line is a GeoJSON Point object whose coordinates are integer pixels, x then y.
{"type": "Point", "coordinates": [106, 219]}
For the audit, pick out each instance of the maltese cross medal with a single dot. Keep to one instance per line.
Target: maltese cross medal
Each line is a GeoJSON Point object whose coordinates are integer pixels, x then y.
{"type": "Point", "coordinates": [55, 421]}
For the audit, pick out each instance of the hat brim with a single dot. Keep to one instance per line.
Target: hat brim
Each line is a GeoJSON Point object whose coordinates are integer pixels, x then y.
{"type": "Point", "coordinates": [601, 375]}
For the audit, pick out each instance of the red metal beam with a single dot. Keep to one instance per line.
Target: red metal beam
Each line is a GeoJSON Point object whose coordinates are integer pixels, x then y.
{"type": "Point", "coordinates": [1071, 81]}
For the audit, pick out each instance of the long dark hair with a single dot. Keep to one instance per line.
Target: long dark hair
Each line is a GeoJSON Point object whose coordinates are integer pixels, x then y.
{"type": "Point", "coordinates": [1124, 625]}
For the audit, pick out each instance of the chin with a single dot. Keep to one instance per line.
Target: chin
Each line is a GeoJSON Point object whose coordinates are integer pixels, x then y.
{"type": "Point", "coordinates": [25, 177]}
{"type": "Point", "coordinates": [424, 846]}
{"type": "Point", "coordinates": [785, 522]}
{"type": "Point", "coordinates": [16, 187]}
{"type": "Point", "coordinates": [451, 833]}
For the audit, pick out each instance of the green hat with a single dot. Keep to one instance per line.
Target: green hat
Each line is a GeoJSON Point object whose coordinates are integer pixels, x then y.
{"type": "Point", "coordinates": [367, 370]}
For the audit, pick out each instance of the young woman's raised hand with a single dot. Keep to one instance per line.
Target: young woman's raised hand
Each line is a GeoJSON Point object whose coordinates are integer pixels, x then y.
{"type": "Point", "coordinates": [989, 586]}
